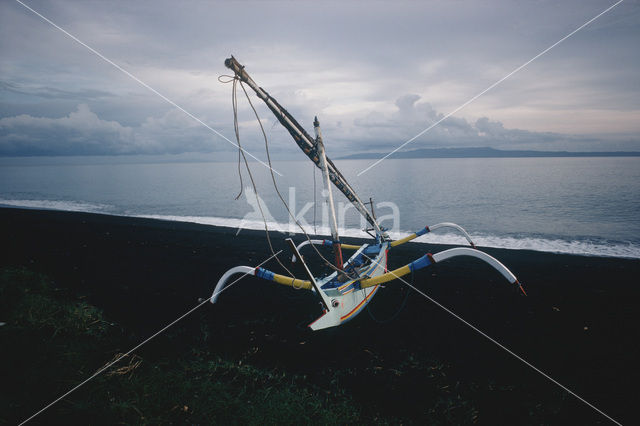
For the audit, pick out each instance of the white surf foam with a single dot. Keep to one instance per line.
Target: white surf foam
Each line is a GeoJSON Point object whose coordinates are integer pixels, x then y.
{"type": "Point", "coordinates": [578, 247]}
{"type": "Point", "coordinates": [74, 206]}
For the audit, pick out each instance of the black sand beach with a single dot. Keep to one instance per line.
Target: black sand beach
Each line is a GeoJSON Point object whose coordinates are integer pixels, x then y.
{"type": "Point", "coordinates": [579, 324]}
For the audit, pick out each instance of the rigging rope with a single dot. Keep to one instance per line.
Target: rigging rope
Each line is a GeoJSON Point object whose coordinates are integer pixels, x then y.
{"type": "Point", "coordinates": [234, 102]}
{"type": "Point", "coordinates": [275, 185]}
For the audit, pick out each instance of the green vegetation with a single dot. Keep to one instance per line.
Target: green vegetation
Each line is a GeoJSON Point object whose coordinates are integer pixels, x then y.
{"type": "Point", "coordinates": [32, 303]}
{"type": "Point", "coordinates": [57, 342]}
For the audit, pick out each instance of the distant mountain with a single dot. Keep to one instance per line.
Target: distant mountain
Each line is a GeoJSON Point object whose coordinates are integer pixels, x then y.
{"type": "Point", "coordinates": [486, 153]}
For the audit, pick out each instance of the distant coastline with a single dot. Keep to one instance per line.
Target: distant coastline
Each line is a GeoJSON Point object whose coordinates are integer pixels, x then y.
{"type": "Point", "coordinates": [485, 152]}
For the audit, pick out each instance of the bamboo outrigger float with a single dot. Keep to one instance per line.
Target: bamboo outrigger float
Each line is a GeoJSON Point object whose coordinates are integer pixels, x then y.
{"type": "Point", "coordinates": [346, 291]}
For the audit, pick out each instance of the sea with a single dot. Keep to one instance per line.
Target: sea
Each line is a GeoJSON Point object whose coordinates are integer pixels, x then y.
{"type": "Point", "coordinates": [586, 206]}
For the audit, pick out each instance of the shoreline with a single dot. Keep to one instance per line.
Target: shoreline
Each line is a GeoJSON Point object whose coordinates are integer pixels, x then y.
{"type": "Point", "coordinates": [579, 324]}
{"type": "Point", "coordinates": [534, 244]}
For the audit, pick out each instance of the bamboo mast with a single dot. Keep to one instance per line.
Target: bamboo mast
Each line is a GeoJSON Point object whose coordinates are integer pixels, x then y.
{"type": "Point", "coordinates": [327, 182]}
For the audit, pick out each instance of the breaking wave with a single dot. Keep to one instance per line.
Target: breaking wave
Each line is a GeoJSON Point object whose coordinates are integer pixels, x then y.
{"type": "Point", "coordinates": [553, 245]}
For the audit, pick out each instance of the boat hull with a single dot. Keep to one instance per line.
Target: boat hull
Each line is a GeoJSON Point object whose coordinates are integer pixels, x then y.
{"type": "Point", "coordinates": [348, 300]}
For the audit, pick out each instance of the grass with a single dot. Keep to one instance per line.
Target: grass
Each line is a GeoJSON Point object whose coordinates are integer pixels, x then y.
{"type": "Point", "coordinates": [58, 340]}
{"type": "Point", "coordinates": [34, 303]}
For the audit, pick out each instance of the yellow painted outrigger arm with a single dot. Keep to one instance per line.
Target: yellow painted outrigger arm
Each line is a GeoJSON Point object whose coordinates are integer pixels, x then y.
{"type": "Point", "coordinates": [417, 264]}
{"type": "Point", "coordinates": [429, 259]}
{"type": "Point", "coordinates": [260, 273]}
{"type": "Point", "coordinates": [290, 281]}
{"type": "Point", "coordinates": [433, 228]}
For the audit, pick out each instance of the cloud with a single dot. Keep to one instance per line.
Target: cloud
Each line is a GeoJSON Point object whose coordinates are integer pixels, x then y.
{"type": "Point", "coordinates": [375, 76]}
{"type": "Point", "coordinates": [389, 130]}
{"type": "Point", "coordinates": [53, 92]}
{"type": "Point", "coordinates": [407, 103]}
{"type": "Point", "coordinates": [82, 132]}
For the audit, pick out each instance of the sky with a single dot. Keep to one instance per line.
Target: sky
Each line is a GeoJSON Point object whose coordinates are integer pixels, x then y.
{"type": "Point", "coordinates": [375, 73]}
